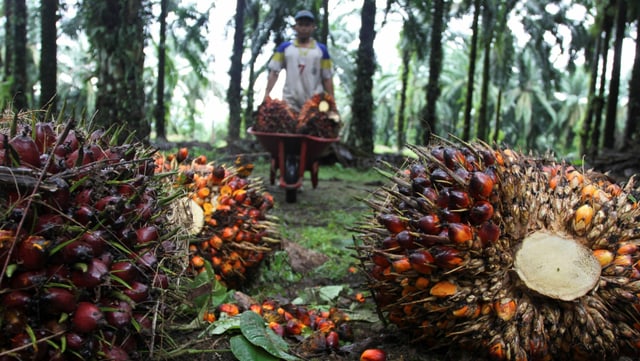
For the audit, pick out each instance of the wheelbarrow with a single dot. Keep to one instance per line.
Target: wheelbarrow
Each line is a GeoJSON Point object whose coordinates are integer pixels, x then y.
{"type": "Point", "coordinates": [291, 156]}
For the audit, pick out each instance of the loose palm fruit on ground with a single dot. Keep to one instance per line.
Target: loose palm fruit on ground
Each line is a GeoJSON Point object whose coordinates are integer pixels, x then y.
{"type": "Point", "coordinates": [227, 222]}
{"type": "Point", "coordinates": [512, 256]}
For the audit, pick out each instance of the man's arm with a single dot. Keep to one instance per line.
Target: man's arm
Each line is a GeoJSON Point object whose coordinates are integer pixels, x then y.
{"type": "Point", "coordinates": [271, 81]}
{"type": "Point", "coordinates": [327, 83]}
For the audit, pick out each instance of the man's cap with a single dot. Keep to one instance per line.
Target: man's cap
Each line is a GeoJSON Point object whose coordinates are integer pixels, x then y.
{"type": "Point", "coordinates": [304, 14]}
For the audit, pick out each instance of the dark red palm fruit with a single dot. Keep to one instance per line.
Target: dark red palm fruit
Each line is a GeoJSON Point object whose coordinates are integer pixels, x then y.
{"type": "Point", "coordinates": [429, 224]}
{"type": "Point", "coordinates": [26, 149]}
{"type": "Point", "coordinates": [419, 184]}
{"type": "Point", "coordinates": [85, 215]}
{"type": "Point", "coordinates": [146, 257]}
{"type": "Point", "coordinates": [94, 275]}
{"type": "Point", "coordinates": [449, 216]}
{"type": "Point", "coordinates": [49, 224]}
{"type": "Point", "coordinates": [480, 185]}
{"type": "Point", "coordinates": [293, 327]}
{"type": "Point", "coordinates": [481, 212]}
{"type": "Point", "coordinates": [28, 279]}
{"type": "Point", "coordinates": [460, 233]}
{"type": "Point", "coordinates": [430, 194]}
{"type": "Point", "coordinates": [446, 257]}
{"type": "Point", "coordinates": [392, 222]}
{"type": "Point", "coordinates": [160, 280]}
{"type": "Point", "coordinates": [442, 199]}
{"type": "Point", "coordinates": [182, 154]}
{"type": "Point", "coordinates": [138, 291]}
{"type": "Point", "coordinates": [421, 261]}
{"type": "Point", "coordinates": [125, 270]}
{"type": "Point", "coordinates": [32, 252]}
{"type": "Point", "coordinates": [14, 321]}
{"type": "Point", "coordinates": [406, 240]}
{"type": "Point", "coordinates": [118, 313]}
{"type": "Point", "coordinates": [74, 340]}
{"type": "Point", "coordinates": [18, 299]}
{"type": "Point", "coordinates": [488, 232]}
{"type": "Point", "coordinates": [417, 170]}
{"type": "Point", "coordinates": [453, 158]}
{"type": "Point", "coordinates": [27, 349]}
{"type": "Point", "coordinates": [87, 317]}
{"type": "Point", "coordinates": [45, 136]}
{"type": "Point", "coordinates": [83, 197]}
{"type": "Point", "coordinates": [459, 200]}
{"type": "Point", "coordinates": [147, 234]}
{"type": "Point", "coordinates": [143, 320]}
{"type": "Point", "coordinates": [440, 176]}
{"type": "Point", "coordinates": [333, 340]}
{"type": "Point", "coordinates": [110, 203]}
{"type": "Point", "coordinates": [60, 197]}
{"type": "Point", "coordinates": [56, 300]}
{"type": "Point", "coordinates": [77, 251]}
{"type": "Point", "coordinates": [438, 153]}
{"type": "Point", "coordinates": [390, 243]}
{"type": "Point", "coordinates": [380, 260]}
{"type": "Point", "coordinates": [97, 240]}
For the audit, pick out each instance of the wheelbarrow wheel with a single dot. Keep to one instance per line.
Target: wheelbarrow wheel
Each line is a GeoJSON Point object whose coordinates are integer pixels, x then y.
{"type": "Point", "coordinates": [291, 195]}
{"type": "Point", "coordinates": [291, 169]}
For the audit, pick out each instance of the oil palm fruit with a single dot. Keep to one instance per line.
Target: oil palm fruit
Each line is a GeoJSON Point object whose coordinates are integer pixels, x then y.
{"type": "Point", "coordinates": [319, 117]}
{"type": "Point", "coordinates": [275, 116]}
{"type": "Point", "coordinates": [228, 221]}
{"type": "Point", "coordinates": [82, 228]}
{"type": "Point", "coordinates": [512, 256]}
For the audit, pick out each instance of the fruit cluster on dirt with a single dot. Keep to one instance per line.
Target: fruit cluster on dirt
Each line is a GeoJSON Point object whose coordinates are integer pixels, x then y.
{"type": "Point", "coordinates": [511, 256]}
{"type": "Point", "coordinates": [318, 117]}
{"type": "Point", "coordinates": [82, 234]}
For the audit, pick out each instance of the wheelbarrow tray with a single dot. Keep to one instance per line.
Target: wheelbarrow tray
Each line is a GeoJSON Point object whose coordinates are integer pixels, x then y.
{"type": "Point", "coordinates": [306, 148]}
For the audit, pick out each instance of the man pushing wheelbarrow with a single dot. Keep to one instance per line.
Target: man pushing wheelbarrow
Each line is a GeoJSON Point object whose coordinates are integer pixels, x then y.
{"type": "Point", "coordinates": [297, 130]}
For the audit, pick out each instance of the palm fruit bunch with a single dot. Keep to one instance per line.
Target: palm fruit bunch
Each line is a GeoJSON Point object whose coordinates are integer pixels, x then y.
{"type": "Point", "coordinates": [319, 117]}
{"type": "Point", "coordinates": [275, 116]}
{"type": "Point", "coordinates": [82, 233]}
{"type": "Point", "coordinates": [513, 256]}
{"type": "Point", "coordinates": [228, 223]}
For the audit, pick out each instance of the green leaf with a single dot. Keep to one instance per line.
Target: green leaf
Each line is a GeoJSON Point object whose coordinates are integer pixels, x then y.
{"type": "Point", "coordinates": [243, 350]}
{"type": "Point", "coordinates": [223, 325]}
{"type": "Point", "coordinates": [254, 329]}
{"type": "Point", "coordinates": [330, 293]}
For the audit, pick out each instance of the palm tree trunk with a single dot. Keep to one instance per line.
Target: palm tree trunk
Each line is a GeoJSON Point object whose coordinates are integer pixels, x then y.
{"type": "Point", "coordinates": [159, 112]}
{"type": "Point", "coordinates": [430, 119]}
{"type": "Point", "coordinates": [48, 53]}
{"type": "Point", "coordinates": [466, 127]}
{"type": "Point", "coordinates": [401, 139]}
{"type": "Point", "coordinates": [593, 79]}
{"type": "Point", "coordinates": [633, 115]}
{"type": "Point", "coordinates": [19, 68]}
{"type": "Point", "coordinates": [496, 130]}
{"type": "Point", "coordinates": [234, 95]}
{"type": "Point", "coordinates": [614, 83]}
{"type": "Point", "coordinates": [362, 106]}
{"type": "Point", "coordinates": [598, 101]}
{"type": "Point", "coordinates": [8, 35]}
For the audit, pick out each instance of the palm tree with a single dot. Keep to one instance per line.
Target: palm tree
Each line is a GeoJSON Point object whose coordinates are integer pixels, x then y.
{"type": "Point", "coordinates": [614, 83]}
{"type": "Point", "coordinates": [633, 110]}
{"type": "Point", "coordinates": [472, 68]}
{"type": "Point", "coordinates": [429, 119]}
{"type": "Point", "coordinates": [235, 74]}
{"type": "Point", "coordinates": [362, 103]}
{"type": "Point", "coordinates": [116, 30]}
{"type": "Point", "coordinates": [159, 110]}
{"type": "Point", "coordinates": [48, 52]}
{"type": "Point", "coordinates": [19, 56]}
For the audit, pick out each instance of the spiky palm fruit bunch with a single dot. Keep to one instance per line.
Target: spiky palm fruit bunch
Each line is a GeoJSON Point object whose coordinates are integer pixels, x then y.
{"type": "Point", "coordinates": [82, 231]}
{"type": "Point", "coordinates": [229, 223]}
{"type": "Point", "coordinates": [275, 116]}
{"type": "Point", "coordinates": [517, 257]}
{"type": "Point", "coordinates": [319, 117]}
